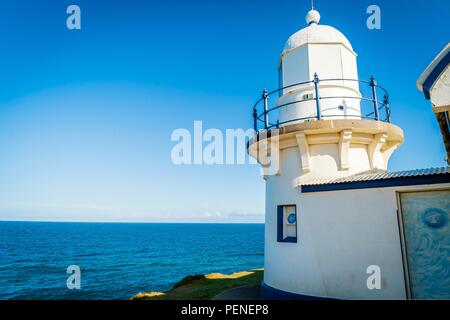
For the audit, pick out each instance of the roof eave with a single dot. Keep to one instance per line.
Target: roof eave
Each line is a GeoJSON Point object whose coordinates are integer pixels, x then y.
{"type": "Point", "coordinates": [433, 71]}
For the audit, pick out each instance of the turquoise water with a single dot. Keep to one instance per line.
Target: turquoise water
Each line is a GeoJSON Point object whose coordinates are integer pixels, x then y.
{"type": "Point", "coordinates": [118, 260]}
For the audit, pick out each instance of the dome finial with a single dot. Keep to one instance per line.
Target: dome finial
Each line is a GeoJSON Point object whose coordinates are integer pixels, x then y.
{"type": "Point", "coordinates": [313, 17]}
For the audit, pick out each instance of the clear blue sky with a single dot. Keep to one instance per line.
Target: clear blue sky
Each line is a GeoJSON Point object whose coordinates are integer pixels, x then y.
{"type": "Point", "coordinates": [86, 116]}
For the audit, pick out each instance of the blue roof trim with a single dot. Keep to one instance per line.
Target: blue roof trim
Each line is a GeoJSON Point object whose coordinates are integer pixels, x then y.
{"type": "Point", "coordinates": [392, 180]}
{"type": "Point", "coordinates": [434, 75]}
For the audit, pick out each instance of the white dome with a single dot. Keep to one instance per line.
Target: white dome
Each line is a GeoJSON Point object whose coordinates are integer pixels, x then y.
{"type": "Point", "coordinates": [316, 33]}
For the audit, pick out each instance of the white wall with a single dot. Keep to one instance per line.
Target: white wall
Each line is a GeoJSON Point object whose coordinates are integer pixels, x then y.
{"type": "Point", "coordinates": [340, 233]}
{"type": "Point", "coordinates": [295, 67]}
{"type": "Point", "coordinates": [329, 61]}
{"type": "Point", "coordinates": [325, 60]}
{"type": "Point", "coordinates": [358, 158]}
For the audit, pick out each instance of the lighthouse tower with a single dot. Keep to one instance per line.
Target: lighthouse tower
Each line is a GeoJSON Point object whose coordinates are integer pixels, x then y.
{"type": "Point", "coordinates": [319, 126]}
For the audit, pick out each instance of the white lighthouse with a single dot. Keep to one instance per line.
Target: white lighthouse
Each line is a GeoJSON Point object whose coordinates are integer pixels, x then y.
{"type": "Point", "coordinates": [333, 213]}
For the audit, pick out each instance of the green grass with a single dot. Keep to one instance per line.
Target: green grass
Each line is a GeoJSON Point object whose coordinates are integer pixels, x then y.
{"type": "Point", "coordinates": [204, 287]}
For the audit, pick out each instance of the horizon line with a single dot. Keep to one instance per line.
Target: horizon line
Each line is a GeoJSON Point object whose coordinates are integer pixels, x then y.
{"type": "Point", "coordinates": [135, 222]}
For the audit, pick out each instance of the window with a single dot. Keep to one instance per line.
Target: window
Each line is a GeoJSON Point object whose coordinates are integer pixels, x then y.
{"type": "Point", "coordinates": [287, 223]}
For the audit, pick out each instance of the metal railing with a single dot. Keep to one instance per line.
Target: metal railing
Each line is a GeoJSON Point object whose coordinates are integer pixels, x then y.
{"type": "Point", "coordinates": [379, 108]}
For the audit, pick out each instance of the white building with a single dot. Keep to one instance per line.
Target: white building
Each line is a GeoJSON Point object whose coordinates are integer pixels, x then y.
{"type": "Point", "coordinates": [333, 213]}
{"type": "Point", "coordinates": [435, 84]}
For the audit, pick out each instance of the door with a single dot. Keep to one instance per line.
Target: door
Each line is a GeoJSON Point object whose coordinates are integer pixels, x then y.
{"type": "Point", "coordinates": [426, 237]}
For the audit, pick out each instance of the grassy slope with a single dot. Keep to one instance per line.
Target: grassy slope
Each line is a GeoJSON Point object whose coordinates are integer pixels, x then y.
{"type": "Point", "coordinates": [204, 287]}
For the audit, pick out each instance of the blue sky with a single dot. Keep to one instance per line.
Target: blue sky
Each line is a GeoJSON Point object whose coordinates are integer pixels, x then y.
{"type": "Point", "coordinates": [86, 115]}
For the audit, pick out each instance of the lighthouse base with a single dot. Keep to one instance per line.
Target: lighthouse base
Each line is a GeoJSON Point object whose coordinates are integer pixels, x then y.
{"type": "Point", "coordinates": [270, 293]}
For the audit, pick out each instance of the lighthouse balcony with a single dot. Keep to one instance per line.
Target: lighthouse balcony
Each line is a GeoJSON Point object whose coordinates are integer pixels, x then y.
{"type": "Point", "coordinates": [321, 99]}
{"type": "Point", "coordinates": [330, 128]}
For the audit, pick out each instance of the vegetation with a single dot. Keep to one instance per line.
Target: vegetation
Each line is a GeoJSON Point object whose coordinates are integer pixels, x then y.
{"type": "Point", "coordinates": [204, 287]}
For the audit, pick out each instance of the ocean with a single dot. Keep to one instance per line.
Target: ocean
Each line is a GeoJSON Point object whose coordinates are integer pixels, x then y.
{"type": "Point", "coordinates": [118, 260]}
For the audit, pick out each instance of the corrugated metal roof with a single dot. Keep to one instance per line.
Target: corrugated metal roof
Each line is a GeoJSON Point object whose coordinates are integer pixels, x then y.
{"type": "Point", "coordinates": [376, 176]}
